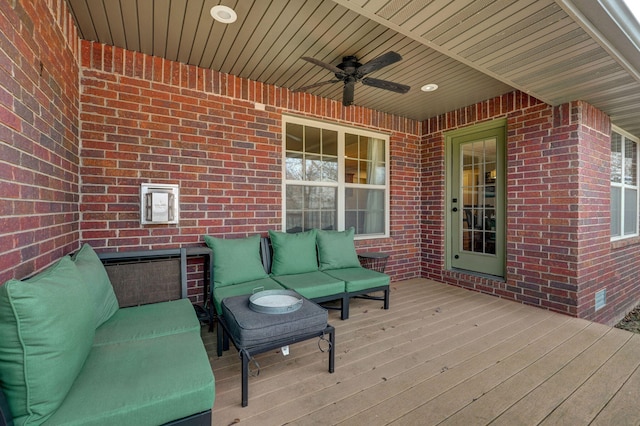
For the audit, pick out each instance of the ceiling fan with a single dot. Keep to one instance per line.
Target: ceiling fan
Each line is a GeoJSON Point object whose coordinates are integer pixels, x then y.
{"type": "Point", "coordinates": [350, 71]}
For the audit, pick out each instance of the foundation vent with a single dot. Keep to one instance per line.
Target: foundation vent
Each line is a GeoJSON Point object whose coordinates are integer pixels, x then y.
{"type": "Point", "coordinates": [601, 299]}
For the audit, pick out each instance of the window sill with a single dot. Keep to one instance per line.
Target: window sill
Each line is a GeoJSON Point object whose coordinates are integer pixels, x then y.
{"type": "Point", "coordinates": [625, 242]}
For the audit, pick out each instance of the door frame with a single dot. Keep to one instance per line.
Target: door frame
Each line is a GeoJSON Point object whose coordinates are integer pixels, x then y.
{"type": "Point", "coordinates": [501, 126]}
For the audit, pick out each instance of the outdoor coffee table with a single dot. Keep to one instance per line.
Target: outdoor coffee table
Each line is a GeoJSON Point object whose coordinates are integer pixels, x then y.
{"type": "Point", "coordinates": [254, 332]}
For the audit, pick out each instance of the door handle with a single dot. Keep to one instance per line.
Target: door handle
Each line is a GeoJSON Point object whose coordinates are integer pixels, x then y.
{"type": "Point", "coordinates": [455, 209]}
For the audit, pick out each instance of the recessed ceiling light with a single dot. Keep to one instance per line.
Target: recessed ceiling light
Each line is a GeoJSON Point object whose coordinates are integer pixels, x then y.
{"type": "Point", "coordinates": [223, 14]}
{"type": "Point", "coordinates": [429, 87]}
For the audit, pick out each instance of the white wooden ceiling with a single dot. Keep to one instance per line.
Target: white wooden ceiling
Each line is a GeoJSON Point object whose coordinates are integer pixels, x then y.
{"type": "Point", "coordinates": [557, 51]}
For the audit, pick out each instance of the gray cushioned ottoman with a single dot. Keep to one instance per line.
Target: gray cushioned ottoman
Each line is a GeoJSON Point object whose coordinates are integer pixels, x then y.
{"type": "Point", "coordinates": [254, 332]}
{"type": "Point", "coordinates": [248, 328]}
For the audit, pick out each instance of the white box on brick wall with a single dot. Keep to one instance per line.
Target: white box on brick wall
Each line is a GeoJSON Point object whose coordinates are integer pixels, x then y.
{"type": "Point", "coordinates": [159, 204]}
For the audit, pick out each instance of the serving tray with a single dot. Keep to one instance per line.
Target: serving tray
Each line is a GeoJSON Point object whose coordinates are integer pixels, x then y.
{"type": "Point", "coordinates": [275, 301]}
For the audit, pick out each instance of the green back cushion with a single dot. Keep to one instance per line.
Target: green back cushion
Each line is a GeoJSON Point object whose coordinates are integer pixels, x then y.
{"type": "Point", "coordinates": [235, 260]}
{"type": "Point", "coordinates": [336, 250]}
{"type": "Point", "coordinates": [293, 253]}
{"type": "Point", "coordinates": [95, 276]}
{"type": "Point", "coordinates": [46, 332]}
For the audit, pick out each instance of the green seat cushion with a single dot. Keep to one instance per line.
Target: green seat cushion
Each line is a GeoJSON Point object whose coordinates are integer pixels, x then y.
{"type": "Point", "coordinates": [360, 279]}
{"type": "Point", "coordinates": [293, 253]}
{"type": "Point", "coordinates": [93, 272]}
{"type": "Point", "coordinates": [47, 325]}
{"type": "Point", "coordinates": [312, 285]}
{"type": "Point", "coordinates": [336, 249]}
{"type": "Point", "coordinates": [142, 382]}
{"type": "Point", "coordinates": [148, 321]}
{"type": "Point", "coordinates": [250, 287]}
{"type": "Point", "coordinates": [235, 260]}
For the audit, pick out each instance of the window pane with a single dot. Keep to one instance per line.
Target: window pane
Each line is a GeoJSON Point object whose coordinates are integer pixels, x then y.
{"type": "Point", "coordinates": [294, 167]}
{"type": "Point", "coordinates": [330, 169]}
{"type": "Point", "coordinates": [329, 142]}
{"type": "Point", "coordinates": [294, 137]}
{"type": "Point", "coordinates": [630, 211]}
{"type": "Point", "coordinates": [365, 210]}
{"type": "Point", "coordinates": [313, 168]}
{"type": "Point", "coordinates": [616, 199]}
{"type": "Point", "coordinates": [379, 174]}
{"type": "Point", "coordinates": [350, 171]}
{"type": "Point", "coordinates": [312, 139]}
{"type": "Point", "coordinates": [310, 207]}
{"type": "Point", "coordinates": [616, 158]}
{"type": "Point", "coordinates": [630, 163]}
{"type": "Point", "coordinates": [350, 146]}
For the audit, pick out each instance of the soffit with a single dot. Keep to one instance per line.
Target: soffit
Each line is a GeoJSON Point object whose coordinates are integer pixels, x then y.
{"type": "Point", "coordinates": [474, 50]}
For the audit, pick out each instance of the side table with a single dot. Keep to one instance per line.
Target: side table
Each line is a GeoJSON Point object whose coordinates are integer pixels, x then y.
{"type": "Point", "coordinates": [376, 261]}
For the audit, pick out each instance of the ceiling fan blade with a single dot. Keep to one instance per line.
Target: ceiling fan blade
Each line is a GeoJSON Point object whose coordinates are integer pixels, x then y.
{"type": "Point", "coordinates": [311, 86]}
{"type": "Point", "coordinates": [330, 67]}
{"type": "Point", "coordinates": [386, 85]}
{"type": "Point", "coordinates": [379, 62]}
{"type": "Point", "coordinates": [348, 91]}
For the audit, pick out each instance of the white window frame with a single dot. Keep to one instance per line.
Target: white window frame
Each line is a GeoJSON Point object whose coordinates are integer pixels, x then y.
{"type": "Point", "coordinates": [623, 186]}
{"type": "Point", "coordinates": [341, 185]}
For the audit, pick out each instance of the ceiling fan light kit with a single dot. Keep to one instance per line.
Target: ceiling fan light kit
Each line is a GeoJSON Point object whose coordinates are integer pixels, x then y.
{"type": "Point", "coordinates": [350, 71]}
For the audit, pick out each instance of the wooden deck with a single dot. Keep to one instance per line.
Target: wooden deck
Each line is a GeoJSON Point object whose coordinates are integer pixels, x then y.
{"type": "Point", "coordinates": [441, 355]}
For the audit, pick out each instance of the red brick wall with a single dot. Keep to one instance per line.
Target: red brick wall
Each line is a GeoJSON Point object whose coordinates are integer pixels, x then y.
{"type": "Point", "coordinates": [218, 136]}
{"type": "Point", "coordinates": [559, 252]}
{"type": "Point", "coordinates": [38, 135]}
{"type": "Point", "coordinates": [144, 119]}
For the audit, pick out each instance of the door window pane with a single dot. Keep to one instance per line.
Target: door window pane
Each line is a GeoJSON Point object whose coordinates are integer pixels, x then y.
{"type": "Point", "coordinates": [479, 167]}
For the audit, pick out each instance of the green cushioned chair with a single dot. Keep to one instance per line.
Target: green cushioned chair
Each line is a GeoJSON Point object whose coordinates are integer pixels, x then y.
{"type": "Point", "coordinates": [148, 321]}
{"type": "Point", "coordinates": [111, 386]}
{"type": "Point", "coordinates": [93, 272]}
{"type": "Point", "coordinates": [312, 285]}
{"type": "Point", "coordinates": [361, 282]}
{"type": "Point", "coordinates": [47, 325]}
{"type": "Point", "coordinates": [359, 279]}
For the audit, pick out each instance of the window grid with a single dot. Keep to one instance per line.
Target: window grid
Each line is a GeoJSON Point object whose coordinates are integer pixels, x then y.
{"type": "Point", "coordinates": [334, 178]}
{"type": "Point", "coordinates": [624, 185]}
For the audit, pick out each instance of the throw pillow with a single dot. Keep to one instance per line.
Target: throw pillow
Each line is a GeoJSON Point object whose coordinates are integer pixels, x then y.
{"type": "Point", "coordinates": [336, 249]}
{"type": "Point", "coordinates": [293, 253]}
{"type": "Point", "coordinates": [95, 276]}
{"type": "Point", "coordinates": [235, 260]}
{"type": "Point", "coordinates": [46, 332]}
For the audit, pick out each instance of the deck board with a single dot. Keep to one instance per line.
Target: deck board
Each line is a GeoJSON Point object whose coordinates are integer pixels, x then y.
{"type": "Point", "coordinates": [441, 355]}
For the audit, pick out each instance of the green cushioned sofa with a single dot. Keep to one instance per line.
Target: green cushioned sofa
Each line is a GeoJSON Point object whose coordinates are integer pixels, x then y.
{"type": "Point", "coordinates": [70, 356]}
{"type": "Point", "coordinates": [320, 265]}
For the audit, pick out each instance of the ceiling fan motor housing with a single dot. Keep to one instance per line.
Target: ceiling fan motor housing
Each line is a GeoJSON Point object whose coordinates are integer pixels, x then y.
{"type": "Point", "coordinates": [349, 65]}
